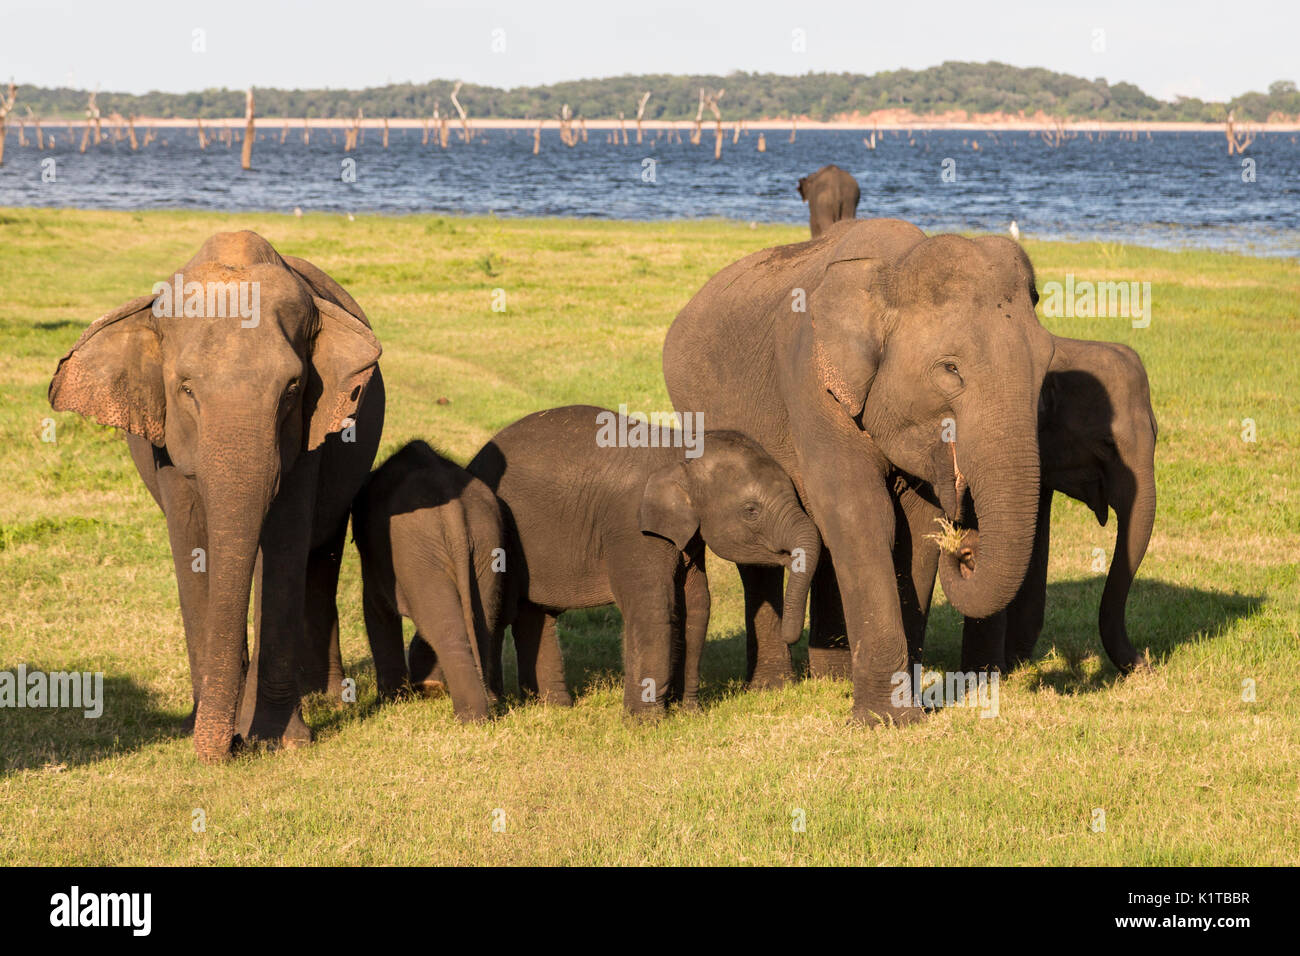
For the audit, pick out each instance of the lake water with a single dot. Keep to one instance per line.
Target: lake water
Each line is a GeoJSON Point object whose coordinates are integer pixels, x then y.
{"type": "Point", "coordinates": [1169, 190]}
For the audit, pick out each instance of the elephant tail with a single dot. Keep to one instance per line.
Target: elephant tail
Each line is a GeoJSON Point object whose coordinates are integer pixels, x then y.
{"type": "Point", "coordinates": [462, 555]}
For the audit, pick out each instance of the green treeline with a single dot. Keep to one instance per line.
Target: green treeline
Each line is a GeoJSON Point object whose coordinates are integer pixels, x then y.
{"type": "Point", "coordinates": [973, 87]}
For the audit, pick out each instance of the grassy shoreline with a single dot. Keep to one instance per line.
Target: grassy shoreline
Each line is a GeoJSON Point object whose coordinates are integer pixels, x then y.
{"type": "Point", "coordinates": [1185, 770]}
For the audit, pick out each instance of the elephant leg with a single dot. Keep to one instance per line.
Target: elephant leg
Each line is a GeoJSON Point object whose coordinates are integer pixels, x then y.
{"type": "Point", "coordinates": [859, 531]}
{"type": "Point", "coordinates": [645, 580]}
{"type": "Point", "coordinates": [271, 709]}
{"type": "Point", "coordinates": [435, 607]}
{"type": "Point", "coordinates": [1026, 612]}
{"type": "Point", "coordinates": [321, 663]}
{"type": "Point", "coordinates": [767, 656]}
{"type": "Point", "coordinates": [383, 623]}
{"type": "Point", "coordinates": [541, 666]}
{"type": "Point", "coordinates": [916, 561]}
{"type": "Point", "coordinates": [828, 641]}
{"type": "Point", "coordinates": [426, 670]}
{"type": "Point", "coordinates": [695, 629]}
{"type": "Point", "coordinates": [984, 643]}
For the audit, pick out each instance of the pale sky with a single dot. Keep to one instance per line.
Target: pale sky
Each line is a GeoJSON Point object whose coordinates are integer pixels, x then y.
{"type": "Point", "coordinates": [1214, 50]}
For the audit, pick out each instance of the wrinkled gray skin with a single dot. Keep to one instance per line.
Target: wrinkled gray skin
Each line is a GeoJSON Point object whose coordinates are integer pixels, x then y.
{"type": "Point", "coordinates": [1097, 438]}
{"type": "Point", "coordinates": [903, 341]}
{"type": "Point", "coordinates": [598, 525]}
{"type": "Point", "coordinates": [429, 534]}
{"type": "Point", "coordinates": [831, 195]}
{"type": "Point", "coordinates": [236, 433]}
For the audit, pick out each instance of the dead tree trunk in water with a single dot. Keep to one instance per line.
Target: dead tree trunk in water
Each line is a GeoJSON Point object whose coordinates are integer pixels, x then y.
{"type": "Point", "coordinates": [640, 112]}
{"type": "Point", "coordinates": [250, 133]}
{"type": "Point", "coordinates": [1237, 142]}
{"type": "Point", "coordinates": [92, 115]}
{"type": "Point", "coordinates": [464, 121]}
{"type": "Point", "coordinates": [351, 136]}
{"type": "Point", "coordinates": [6, 106]}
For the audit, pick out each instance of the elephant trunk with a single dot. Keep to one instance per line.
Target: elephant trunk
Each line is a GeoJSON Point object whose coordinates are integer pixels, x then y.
{"type": "Point", "coordinates": [805, 549]}
{"type": "Point", "coordinates": [237, 482]}
{"type": "Point", "coordinates": [1005, 490]}
{"type": "Point", "coordinates": [1134, 500]}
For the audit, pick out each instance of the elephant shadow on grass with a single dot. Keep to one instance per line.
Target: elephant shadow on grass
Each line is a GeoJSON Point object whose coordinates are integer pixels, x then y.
{"type": "Point", "coordinates": [56, 738]}
{"type": "Point", "coordinates": [1161, 617]}
{"type": "Point", "coordinates": [134, 717]}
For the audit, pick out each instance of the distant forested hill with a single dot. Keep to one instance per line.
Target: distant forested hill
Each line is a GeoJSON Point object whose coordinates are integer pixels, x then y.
{"type": "Point", "coordinates": [972, 87]}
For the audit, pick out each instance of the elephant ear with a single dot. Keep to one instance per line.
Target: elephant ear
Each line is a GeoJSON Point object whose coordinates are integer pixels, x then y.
{"type": "Point", "coordinates": [848, 330]}
{"type": "Point", "coordinates": [666, 509]}
{"type": "Point", "coordinates": [114, 372]}
{"type": "Point", "coordinates": [324, 286]}
{"type": "Point", "coordinates": [1010, 253]}
{"type": "Point", "coordinates": [344, 355]}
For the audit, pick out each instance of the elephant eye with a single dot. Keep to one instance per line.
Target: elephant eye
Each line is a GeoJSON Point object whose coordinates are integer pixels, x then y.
{"type": "Point", "coordinates": [751, 511]}
{"type": "Point", "coordinates": [292, 389]}
{"type": "Point", "coordinates": [187, 389]}
{"type": "Point", "coordinates": [950, 367]}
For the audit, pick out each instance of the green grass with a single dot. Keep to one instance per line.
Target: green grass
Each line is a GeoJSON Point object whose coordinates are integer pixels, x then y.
{"type": "Point", "coordinates": [1185, 770]}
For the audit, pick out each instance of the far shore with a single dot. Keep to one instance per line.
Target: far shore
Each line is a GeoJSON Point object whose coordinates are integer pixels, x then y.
{"type": "Point", "coordinates": [919, 124]}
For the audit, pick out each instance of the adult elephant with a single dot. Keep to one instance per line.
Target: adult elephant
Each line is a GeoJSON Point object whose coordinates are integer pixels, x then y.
{"type": "Point", "coordinates": [1097, 438]}
{"type": "Point", "coordinates": [233, 393]}
{"type": "Point", "coordinates": [869, 351]}
{"type": "Point", "coordinates": [831, 195]}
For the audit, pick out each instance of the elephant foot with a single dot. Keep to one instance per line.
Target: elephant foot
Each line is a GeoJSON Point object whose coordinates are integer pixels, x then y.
{"type": "Point", "coordinates": [647, 714]}
{"type": "Point", "coordinates": [772, 675]}
{"type": "Point", "coordinates": [432, 689]}
{"type": "Point", "coordinates": [555, 697]}
{"type": "Point", "coordinates": [279, 728]}
{"type": "Point", "coordinates": [835, 663]}
{"type": "Point", "coordinates": [689, 705]}
{"type": "Point", "coordinates": [886, 716]}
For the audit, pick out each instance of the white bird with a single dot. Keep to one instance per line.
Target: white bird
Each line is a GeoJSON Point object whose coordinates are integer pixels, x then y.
{"type": "Point", "coordinates": [1014, 230]}
{"type": "Point", "coordinates": [297, 211]}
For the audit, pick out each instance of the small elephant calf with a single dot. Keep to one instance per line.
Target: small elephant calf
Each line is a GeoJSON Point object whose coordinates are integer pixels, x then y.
{"type": "Point", "coordinates": [597, 521]}
{"type": "Point", "coordinates": [432, 545]}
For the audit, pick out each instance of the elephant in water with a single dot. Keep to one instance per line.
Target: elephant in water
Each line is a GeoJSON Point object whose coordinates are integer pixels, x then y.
{"type": "Point", "coordinates": [248, 384]}
{"type": "Point", "coordinates": [599, 520]}
{"type": "Point", "coordinates": [870, 353]}
{"type": "Point", "coordinates": [831, 195]}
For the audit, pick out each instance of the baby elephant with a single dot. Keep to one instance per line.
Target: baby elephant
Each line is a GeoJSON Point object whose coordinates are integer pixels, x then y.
{"type": "Point", "coordinates": [432, 545]}
{"type": "Point", "coordinates": [607, 509]}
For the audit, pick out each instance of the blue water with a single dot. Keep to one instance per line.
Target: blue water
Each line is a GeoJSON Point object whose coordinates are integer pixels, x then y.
{"type": "Point", "coordinates": [1172, 190]}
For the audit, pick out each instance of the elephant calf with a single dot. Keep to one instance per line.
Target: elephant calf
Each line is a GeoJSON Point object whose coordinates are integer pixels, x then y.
{"type": "Point", "coordinates": [1097, 438]}
{"type": "Point", "coordinates": [432, 546]}
{"type": "Point", "coordinates": [598, 522]}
